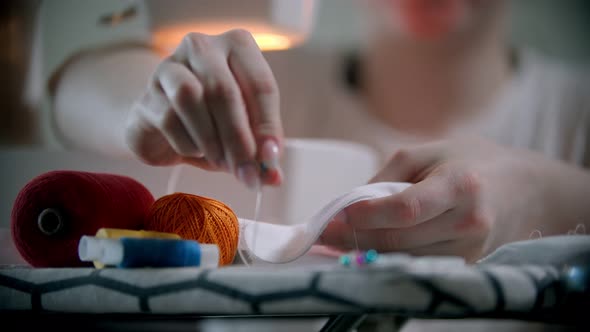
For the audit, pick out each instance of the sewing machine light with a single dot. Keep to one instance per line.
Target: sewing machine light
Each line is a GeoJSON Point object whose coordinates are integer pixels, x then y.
{"type": "Point", "coordinates": [274, 24]}
{"type": "Point", "coordinates": [271, 41]}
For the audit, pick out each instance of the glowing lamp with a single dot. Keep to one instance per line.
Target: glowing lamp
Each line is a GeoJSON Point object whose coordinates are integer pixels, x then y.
{"type": "Point", "coordinates": [274, 24]}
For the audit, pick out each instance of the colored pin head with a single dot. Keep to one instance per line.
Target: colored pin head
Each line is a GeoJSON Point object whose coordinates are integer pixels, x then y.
{"type": "Point", "coordinates": [371, 256]}
{"type": "Point", "coordinates": [359, 258]}
{"type": "Point", "coordinates": [345, 260]}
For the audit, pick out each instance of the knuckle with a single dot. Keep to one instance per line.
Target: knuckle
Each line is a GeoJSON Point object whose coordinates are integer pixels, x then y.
{"type": "Point", "coordinates": [468, 183]}
{"type": "Point", "coordinates": [476, 221]}
{"type": "Point", "coordinates": [401, 157]}
{"type": "Point", "coordinates": [186, 95]}
{"type": "Point", "coordinates": [483, 221]}
{"type": "Point", "coordinates": [141, 106]}
{"type": "Point", "coordinates": [197, 42]}
{"type": "Point", "coordinates": [158, 73]}
{"type": "Point", "coordinates": [155, 80]}
{"type": "Point", "coordinates": [240, 37]}
{"type": "Point", "coordinates": [406, 209]}
{"type": "Point", "coordinates": [264, 86]}
{"type": "Point", "coordinates": [148, 109]}
{"type": "Point", "coordinates": [167, 121]}
{"type": "Point", "coordinates": [268, 127]}
{"type": "Point", "coordinates": [222, 89]}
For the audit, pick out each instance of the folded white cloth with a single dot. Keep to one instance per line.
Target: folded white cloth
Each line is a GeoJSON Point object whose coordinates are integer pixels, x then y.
{"type": "Point", "coordinates": [275, 243]}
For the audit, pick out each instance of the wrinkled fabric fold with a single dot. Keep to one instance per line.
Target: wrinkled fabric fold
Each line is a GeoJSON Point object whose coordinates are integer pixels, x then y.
{"type": "Point", "coordinates": [276, 243]}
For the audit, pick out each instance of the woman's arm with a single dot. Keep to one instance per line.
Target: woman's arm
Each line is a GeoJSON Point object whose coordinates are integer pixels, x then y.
{"type": "Point", "coordinates": [567, 190]}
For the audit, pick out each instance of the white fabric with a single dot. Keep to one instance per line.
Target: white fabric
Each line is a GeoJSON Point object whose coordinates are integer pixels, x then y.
{"type": "Point", "coordinates": [275, 243]}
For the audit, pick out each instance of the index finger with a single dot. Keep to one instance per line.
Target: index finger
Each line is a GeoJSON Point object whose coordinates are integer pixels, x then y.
{"type": "Point", "coordinates": [257, 83]}
{"type": "Point", "coordinates": [261, 95]}
{"type": "Point", "coordinates": [418, 203]}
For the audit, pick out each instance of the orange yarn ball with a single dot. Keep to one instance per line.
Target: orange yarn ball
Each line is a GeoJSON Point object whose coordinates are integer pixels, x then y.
{"type": "Point", "coordinates": [197, 218]}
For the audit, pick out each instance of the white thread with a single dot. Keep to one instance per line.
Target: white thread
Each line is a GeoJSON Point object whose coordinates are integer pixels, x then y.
{"type": "Point", "coordinates": [257, 213]}
{"type": "Point", "coordinates": [356, 243]}
{"type": "Point", "coordinates": [243, 253]}
{"type": "Point", "coordinates": [173, 179]}
{"type": "Point", "coordinates": [580, 229]}
{"type": "Point", "coordinates": [537, 233]}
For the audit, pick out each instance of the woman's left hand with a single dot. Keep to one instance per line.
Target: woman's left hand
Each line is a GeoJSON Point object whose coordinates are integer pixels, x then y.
{"type": "Point", "coordinates": [468, 197]}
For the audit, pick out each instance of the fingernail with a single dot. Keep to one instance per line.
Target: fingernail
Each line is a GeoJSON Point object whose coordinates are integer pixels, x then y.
{"type": "Point", "coordinates": [248, 174]}
{"type": "Point", "coordinates": [272, 176]}
{"type": "Point", "coordinates": [269, 155]}
{"type": "Point", "coordinates": [341, 217]}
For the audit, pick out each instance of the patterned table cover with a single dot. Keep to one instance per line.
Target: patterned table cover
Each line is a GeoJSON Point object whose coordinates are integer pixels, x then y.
{"type": "Point", "coordinates": [427, 287]}
{"type": "Point", "coordinates": [542, 280]}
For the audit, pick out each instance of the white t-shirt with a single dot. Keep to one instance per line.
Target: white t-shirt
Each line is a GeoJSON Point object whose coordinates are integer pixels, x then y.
{"type": "Point", "coordinates": [544, 107]}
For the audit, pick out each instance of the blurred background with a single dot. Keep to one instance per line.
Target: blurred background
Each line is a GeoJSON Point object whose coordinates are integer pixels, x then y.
{"type": "Point", "coordinates": [41, 34]}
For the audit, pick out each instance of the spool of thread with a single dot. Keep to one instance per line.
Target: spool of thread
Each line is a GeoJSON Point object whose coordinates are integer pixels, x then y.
{"type": "Point", "coordinates": [203, 219]}
{"type": "Point", "coordinates": [55, 209]}
{"type": "Point", "coordinates": [127, 252]}
{"type": "Point", "coordinates": [114, 233]}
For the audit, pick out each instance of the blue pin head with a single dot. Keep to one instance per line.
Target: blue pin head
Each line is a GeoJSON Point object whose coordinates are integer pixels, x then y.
{"type": "Point", "coordinates": [345, 260]}
{"type": "Point", "coordinates": [371, 256]}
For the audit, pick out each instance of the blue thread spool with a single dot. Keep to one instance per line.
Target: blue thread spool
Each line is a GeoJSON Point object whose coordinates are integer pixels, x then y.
{"type": "Point", "coordinates": [129, 252]}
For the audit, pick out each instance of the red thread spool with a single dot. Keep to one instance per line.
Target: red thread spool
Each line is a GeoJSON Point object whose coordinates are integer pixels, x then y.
{"type": "Point", "coordinates": [53, 211]}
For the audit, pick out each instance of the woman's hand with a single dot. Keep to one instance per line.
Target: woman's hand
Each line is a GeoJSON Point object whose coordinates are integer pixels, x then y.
{"type": "Point", "coordinates": [469, 196]}
{"type": "Point", "coordinates": [213, 103]}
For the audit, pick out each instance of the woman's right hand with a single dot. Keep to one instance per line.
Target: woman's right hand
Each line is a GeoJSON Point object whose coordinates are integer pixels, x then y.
{"type": "Point", "coordinates": [213, 103]}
